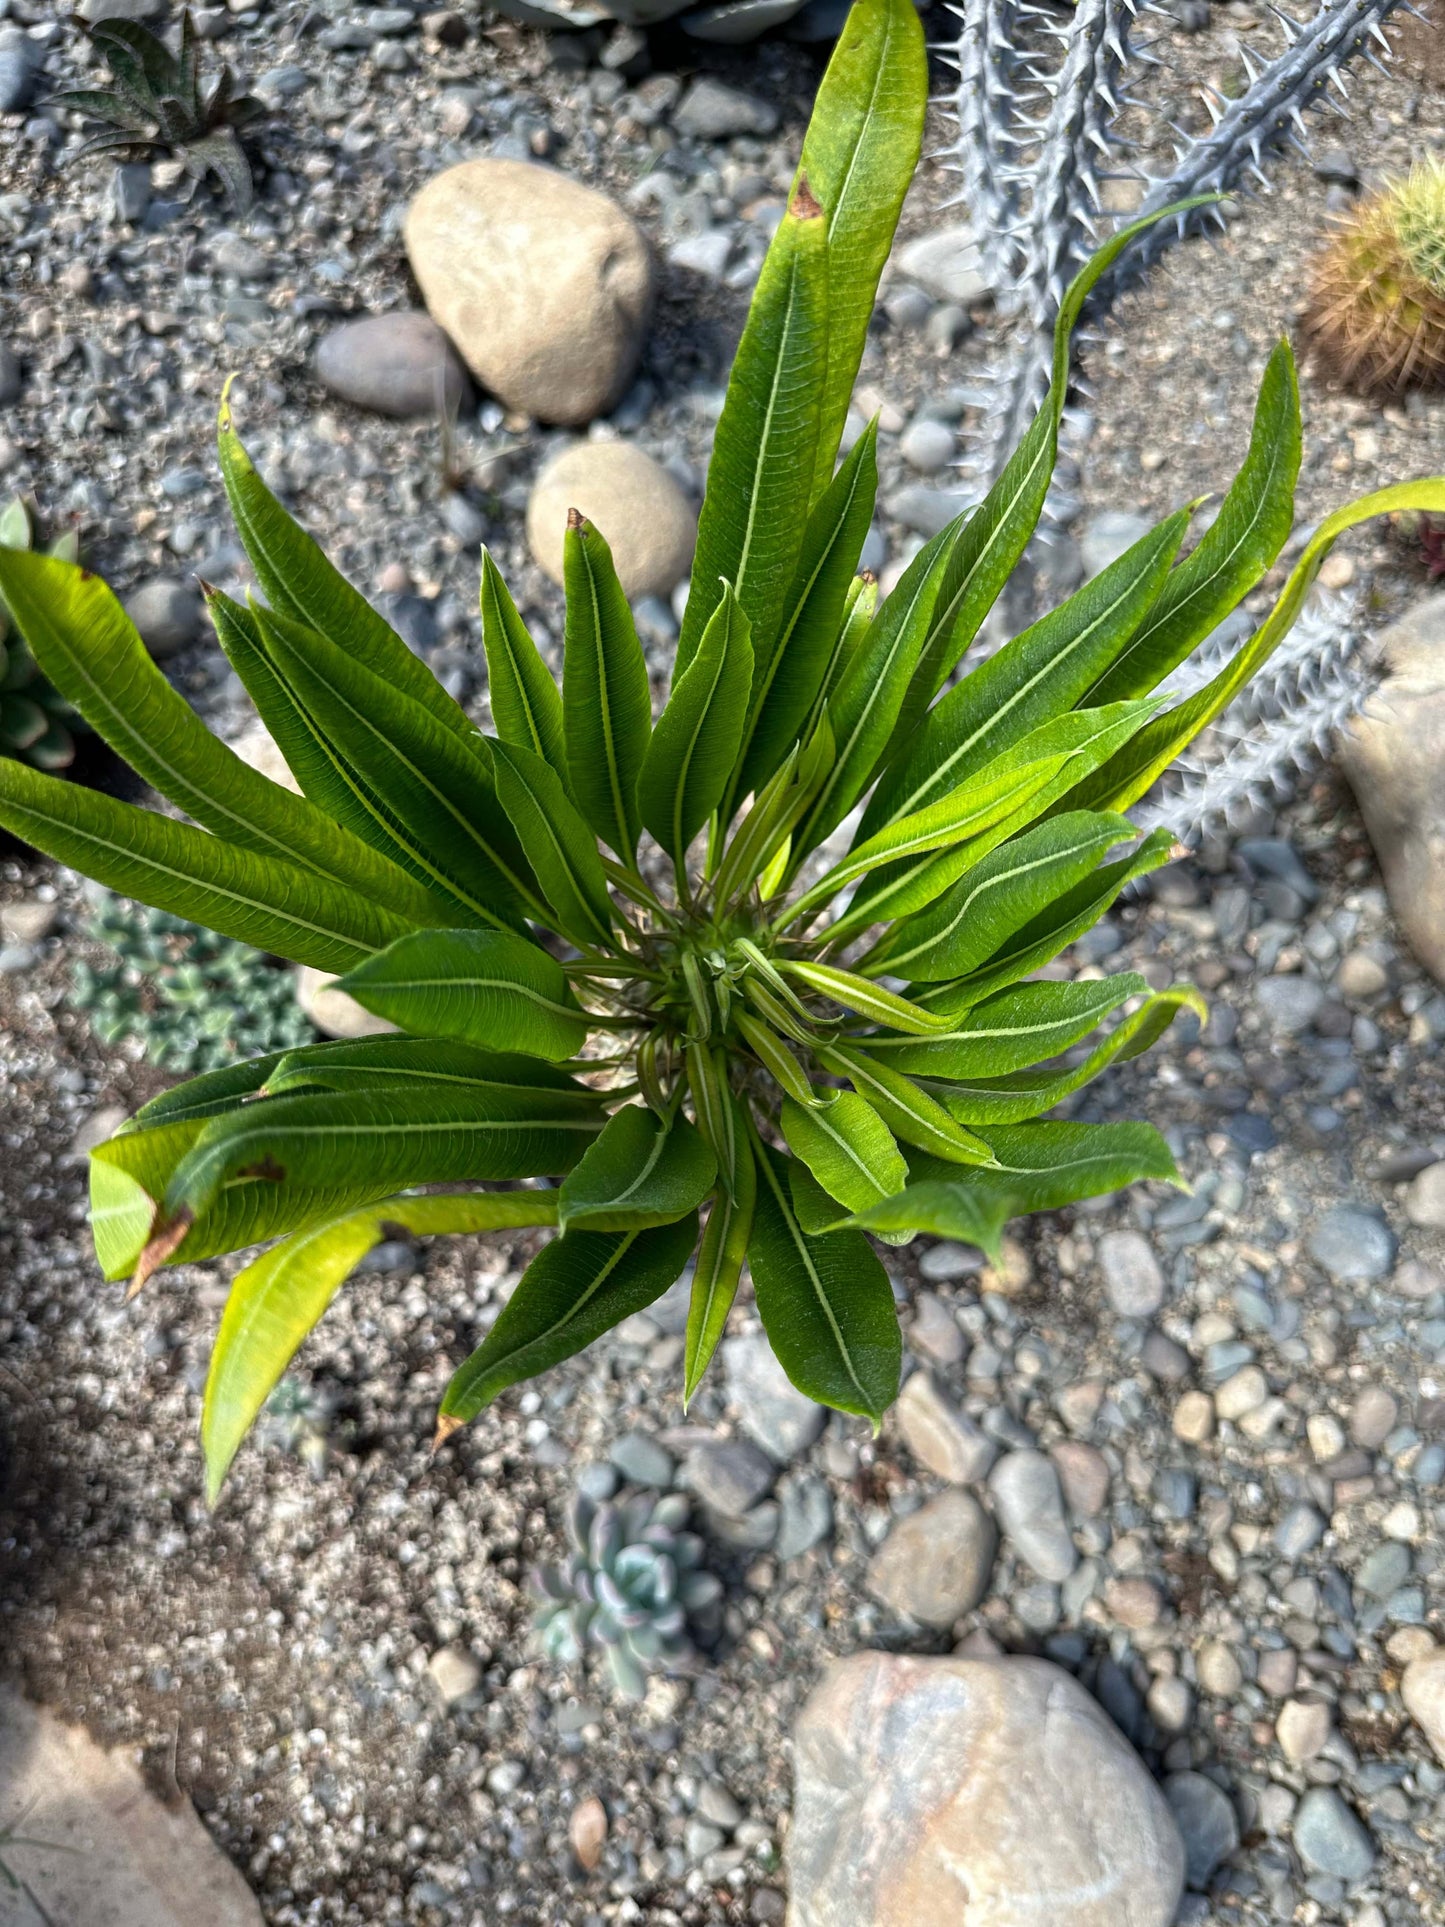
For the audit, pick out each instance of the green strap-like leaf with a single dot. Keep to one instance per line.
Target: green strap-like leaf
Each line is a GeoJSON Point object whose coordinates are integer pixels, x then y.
{"type": "Point", "coordinates": [900, 889]}
{"type": "Point", "coordinates": [328, 1151]}
{"type": "Point", "coordinates": [606, 699]}
{"type": "Point", "coordinates": [1040, 941]}
{"type": "Point", "coordinates": [826, 1303]}
{"type": "Point", "coordinates": [785, 687]}
{"type": "Point", "coordinates": [774, 1056]}
{"type": "Point", "coordinates": [260, 900]}
{"type": "Point", "coordinates": [751, 528]}
{"type": "Point", "coordinates": [847, 1147]}
{"type": "Point", "coordinates": [695, 745]}
{"type": "Point", "coordinates": [1244, 539]}
{"type": "Point", "coordinates": [997, 897]}
{"type": "Point", "coordinates": [1038, 676]}
{"type": "Point", "coordinates": [580, 1286]}
{"type": "Point", "coordinates": [865, 999]}
{"type": "Point", "coordinates": [526, 702]}
{"type": "Point", "coordinates": [1040, 1167]}
{"type": "Point", "coordinates": [859, 608]}
{"type": "Point", "coordinates": [642, 1170]}
{"type": "Point", "coordinates": [299, 582]}
{"type": "Point", "coordinates": [864, 707]}
{"type": "Point", "coordinates": [279, 1298]}
{"type": "Point", "coordinates": [374, 1062]}
{"type": "Point", "coordinates": [715, 1107]}
{"type": "Point", "coordinates": [859, 154]}
{"type": "Point", "coordinates": [1010, 1032]}
{"type": "Point", "coordinates": [88, 647]}
{"type": "Point", "coordinates": [909, 1112]}
{"type": "Point", "coordinates": [209, 1093]}
{"type": "Point", "coordinates": [720, 1260]}
{"type": "Point", "coordinates": [1025, 1094]}
{"type": "Point", "coordinates": [480, 986]}
{"type": "Point", "coordinates": [559, 845]}
{"type": "Point", "coordinates": [1139, 765]}
{"type": "Point", "coordinates": [430, 795]}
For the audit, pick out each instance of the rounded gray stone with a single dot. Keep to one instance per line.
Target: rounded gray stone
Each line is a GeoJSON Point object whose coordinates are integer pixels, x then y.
{"type": "Point", "coordinates": [399, 364]}
{"type": "Point", "coordinates": [1289, 1004]}
{"type": "Point", "coordinates": [730, 1475]}
{"type": "Point", "coordinates": [642, 1460]}
{"type": "Point", "coordinates": [166, 612]}
{"type": "Point", "coordinates": [1352, 1244]}
{"type": "Point", "coordinates": [771, 1408]}
{"type": "Point", "coordinates": [1132, 1276]}
{"type": "Point", "coordinates": [1030, 1506]}
{"type": "Point", "coordinates": [935, 1564]}
{"type": "Point", "coordinates": [1330, 1838]}
{"type": "Point", "coordinates": [1207, 1824]}
{"type": "Point", "coordinates": [712, 111]}
{"type": "Point", "coordinates": [12, 377]}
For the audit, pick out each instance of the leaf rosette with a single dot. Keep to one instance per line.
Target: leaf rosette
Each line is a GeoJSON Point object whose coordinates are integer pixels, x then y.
{"type": "Point", "coordinates": [747, 985]}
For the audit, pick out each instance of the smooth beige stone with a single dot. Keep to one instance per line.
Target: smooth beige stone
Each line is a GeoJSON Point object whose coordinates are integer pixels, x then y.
{"type": "Point", "coordinates": [931, 1792]}
{"type": "Point", "coordinates": [646, 520]}
{"type": "Point", "coordinates": [545, 286]}
{"type": "Point", "coordinates": [116, 1856]}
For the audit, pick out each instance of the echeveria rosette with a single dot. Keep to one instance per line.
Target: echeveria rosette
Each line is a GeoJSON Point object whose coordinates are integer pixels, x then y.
{"type": "Point", "coordinates": [740, 984]}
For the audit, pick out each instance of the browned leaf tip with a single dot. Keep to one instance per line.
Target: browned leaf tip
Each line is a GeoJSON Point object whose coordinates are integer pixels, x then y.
{"type": "Point", "coordinates": [870, 578]}
{"type": "Point", "coordinates": [805, 204]}
{"type": "Point", "coordinates": [576, 519]}
{"type": "Point", "coordinates": [164, 1240]}
{"type": "Point", "coordinates": [446, 1426]}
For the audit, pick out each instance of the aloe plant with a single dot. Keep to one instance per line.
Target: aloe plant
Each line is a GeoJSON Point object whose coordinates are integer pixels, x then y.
{"type": "Point", "coordinates": [769, 958]}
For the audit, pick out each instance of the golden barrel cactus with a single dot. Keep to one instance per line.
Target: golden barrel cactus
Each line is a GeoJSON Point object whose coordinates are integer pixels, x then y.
{"type": "Point", "coordinates": [1376, 317]}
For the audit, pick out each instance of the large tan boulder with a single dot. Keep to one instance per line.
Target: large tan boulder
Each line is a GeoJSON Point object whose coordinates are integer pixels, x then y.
{"type": "Point", "coordinates": [1423, 1691]}
{"type": "Point", "coordinates": [646, 519]}
{"type": "Point", "coordinates": [544, 285]}
{"type": "Point", "coordinates": [991, 1791]}
{"type": "Point", "coordinates": [111, 1854]}
{"type": "Point", "coordinates": [1392, 754]}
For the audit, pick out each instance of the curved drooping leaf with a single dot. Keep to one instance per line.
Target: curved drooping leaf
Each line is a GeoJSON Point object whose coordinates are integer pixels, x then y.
{"type": "Point", "coordinates": [580, 1286]}
{"type": "Point", "coordinates": [328, 1151]}
{"type": "Point", "coordinates": [559, 845]}
{"type": "Point", "coordinates": [481, 986]}
{"type": "Point", "coordinates": [826, 1303]}
{"type": "Point", "coordinates": [863, 998]}
{"type": "Point", "coordinates": [1041, 674]}
{"type": "Point", "coordinates": [859, 154]}
{"type": "Point", "coordinates": [1026, 1094]}
{"type": "Point", "coordinates": [358, 1062]}
{"type": "Point", "coordinates": [1041, 940]}
{"type": "Point", "coordinates": [204, 1096]}
{"type": "Point", "coordinates": [1040, 1167]}
{"type": "Point", "coordinates": [908, 1111]}
{"type": "Point", "coordinates": [847, 1147]}
{"type": "Point", "coordinates": [606, 700]}
{"type": "Point", "coordinates": [695, 744]}
{"type": "Point", "coordinates": [526, 702]}
{"type": "Point", "coordinates": [1140, 764]}
{"type": "Point", "coordinates": [751, 527]}
{"type": "Point", "coordinates": [999, 896]}
{"type": "Point", "coordinates": [1251, 528]}
{"type": "Point", "coordinates": [718, 1271]}
{"type": "Point", "coordinates": [300, 582]}
{"type": "Point", "coordinates": [279, 1298]}
{"type": "Point", "coordinates": [89, 648]}
{"type": "Point", "coordinates": [640, 1171]}
{"type": "Point", "coordinates": [1089, 736]}
{"type": "Point", "coordinates": [1012, 1031]}
{"type": "Point", "coordinates": [261, 900]}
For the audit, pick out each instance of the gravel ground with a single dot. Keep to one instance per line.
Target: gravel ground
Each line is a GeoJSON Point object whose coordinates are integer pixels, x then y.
{"type": "Point", "coordinates": [1261, 1415]}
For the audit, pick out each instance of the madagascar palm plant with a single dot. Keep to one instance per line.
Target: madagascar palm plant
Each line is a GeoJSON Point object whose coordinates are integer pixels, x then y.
{"type": "Point", "coordinates": [770, 958]}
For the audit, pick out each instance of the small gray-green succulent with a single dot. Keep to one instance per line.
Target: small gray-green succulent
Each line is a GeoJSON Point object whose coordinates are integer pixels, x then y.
{"type": "Point", "coordinates": [633, 1583]}
{"type": "Point", "coordinates": [197, 1000]}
